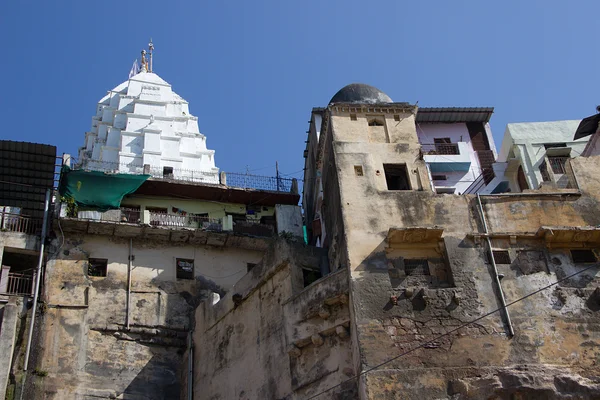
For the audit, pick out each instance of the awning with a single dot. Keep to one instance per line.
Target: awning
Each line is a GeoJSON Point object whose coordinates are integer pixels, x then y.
{"type": "Point", "coordinates": [94, 190]}
{"type": "Point", "coordinates": [587, 126]}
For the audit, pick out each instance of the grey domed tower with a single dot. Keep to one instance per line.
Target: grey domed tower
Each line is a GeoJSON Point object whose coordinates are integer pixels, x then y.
{"type": "Point", "coordinates": [361, 94]}
{"type": "Point", "coordinates": [362, 160]}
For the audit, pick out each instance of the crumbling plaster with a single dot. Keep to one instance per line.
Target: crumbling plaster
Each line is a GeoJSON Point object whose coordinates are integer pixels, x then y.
{"type": "Point", "coordinates": [548, 333]}
{"type": "Point", "coordinates": [86, 346]}
{"type": "Point", "coordinates": [271, 338]}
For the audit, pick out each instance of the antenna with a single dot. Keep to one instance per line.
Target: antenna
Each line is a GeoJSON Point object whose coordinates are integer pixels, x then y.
{"type": "Point", "coordinates": [150, 51]}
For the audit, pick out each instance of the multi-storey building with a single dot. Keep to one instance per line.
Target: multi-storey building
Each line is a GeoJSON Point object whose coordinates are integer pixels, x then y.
{"type": "Point", "coordinates": [535, 155]}
{"type": "Point", "coordinates": [143, 226]}
{"type": "Point", "coordinates": [425, 295]}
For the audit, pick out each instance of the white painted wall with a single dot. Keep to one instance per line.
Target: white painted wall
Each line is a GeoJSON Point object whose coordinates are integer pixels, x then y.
{"type": "Point", "coordinates": [142, 121]}
{"type": "Point", "coordinates": [525, 141]}
{"type": "Point", "coordinates": [156, 261]}
{"type": "Point", "coordinates": [460, 180]}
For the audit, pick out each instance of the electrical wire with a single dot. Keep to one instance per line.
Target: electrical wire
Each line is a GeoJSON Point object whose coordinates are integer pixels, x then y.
{"type": "Point", "coordinates": [422, 345]}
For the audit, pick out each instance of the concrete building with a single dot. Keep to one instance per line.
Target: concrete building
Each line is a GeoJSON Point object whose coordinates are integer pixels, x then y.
{"type": "Point", "coordinates": [536, 154]}
{"type": "Point", "coordinates": [133, 251]}
{"type": "Point", "coordinates": [449, 297]}
{"type": "Point", "coordinates": [26, 178]}
{"type": "Point", "coordinates": [458, 146]}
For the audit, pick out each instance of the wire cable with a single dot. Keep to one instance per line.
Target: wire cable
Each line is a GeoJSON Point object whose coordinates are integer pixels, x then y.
{"type": "Point", "coordinates": [422, 345]}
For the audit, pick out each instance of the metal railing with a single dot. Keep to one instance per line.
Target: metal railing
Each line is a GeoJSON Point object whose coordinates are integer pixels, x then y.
{"type": "Point", "coordinates": [18, 223]}
{"type": "Point", "coordinates": [185, 221]}
{"type": "Point", "coordinates": [270, 183]}
{"type": "Point", "coordinates": [440, 148]}
{"type": "Point", "coordinates": [17, 284]}
{"type": "Point", "coordinates": [230, 179]}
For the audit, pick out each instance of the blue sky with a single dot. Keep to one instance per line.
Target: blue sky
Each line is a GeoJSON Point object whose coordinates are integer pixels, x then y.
{"type": "Point", "coordinates": [252, 70]}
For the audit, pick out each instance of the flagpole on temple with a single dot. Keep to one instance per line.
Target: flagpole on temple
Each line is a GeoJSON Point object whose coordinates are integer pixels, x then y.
{"type": "Point", "coordinates": [150, 50]}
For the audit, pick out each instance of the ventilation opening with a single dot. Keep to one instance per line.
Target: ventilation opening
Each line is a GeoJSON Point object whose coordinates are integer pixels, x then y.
{"type": "Point", "coordinates": [416, 267]}
{"type": "Point", "coordinates": [375, 122]}
{"type": "Point", "coordinates": [554, 145]}
{"type": "Point", "coordinates": [397, 118]}
{"type": "Point", "coordinates": [396, 176]}
{"type": "Point", "coordinates": [439, 177]}
{"type": "Point", "coordinates": [358, 170]}
{"type": "Point", "coordinates": [97, 267]}
{"type": "Point", "coordinates": [167, 172]}
{"type": "Point", "coordinates": [583, 256]}
{"type": "Point", "coordinates": [352, 117]}
{"type": "Point", "coordinates": [310, 275]}
{"type": "Point", "coordinates": [185, 268]}
{"type": "Point", "coordinates": [501, 256]}
{"type": "Point", "coordinates": [445, 190]}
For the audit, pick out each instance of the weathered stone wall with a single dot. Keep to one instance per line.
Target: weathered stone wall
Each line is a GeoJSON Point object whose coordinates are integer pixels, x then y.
{"type": "Point", "coordinates": [85, 345]}
{"type": "Point", "coordinates": [556, 331]}
{"type": "Point", "coordinates": [270, 338]}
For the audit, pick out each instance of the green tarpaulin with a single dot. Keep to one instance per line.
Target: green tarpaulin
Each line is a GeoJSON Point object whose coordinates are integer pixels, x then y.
{"type": "Point", "coordinates": [95, 190]}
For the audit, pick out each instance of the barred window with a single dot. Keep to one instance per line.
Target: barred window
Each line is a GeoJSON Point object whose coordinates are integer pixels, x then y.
{"type": "Point", "coordinates": [415, 267]}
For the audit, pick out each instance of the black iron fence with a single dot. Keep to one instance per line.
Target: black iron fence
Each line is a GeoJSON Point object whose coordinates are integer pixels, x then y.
{"type": "Point", "coordinates": [230, 179]}
{"type": "Point", "coordinates": [270, 183]}
{"type": "Point", "coordinates": [440, 148]}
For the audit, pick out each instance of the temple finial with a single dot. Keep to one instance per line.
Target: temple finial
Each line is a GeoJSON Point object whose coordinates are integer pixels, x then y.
{"type": "Point", "coordinates": [150, 51]}
{"type": "Point", "coordinates": [144, 62]}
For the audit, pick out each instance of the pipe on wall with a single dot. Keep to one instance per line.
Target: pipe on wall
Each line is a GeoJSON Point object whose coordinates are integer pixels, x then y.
{"type": "Point", "coordinates": [509, 324]}
{"type": "Point", "coordinates": [38, 274]}
{"type": "Point", "coordinates": [127, 306]}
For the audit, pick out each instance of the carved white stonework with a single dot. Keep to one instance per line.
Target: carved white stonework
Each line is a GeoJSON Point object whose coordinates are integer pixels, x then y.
{"type": "Point", "coordinates": [143, 122]}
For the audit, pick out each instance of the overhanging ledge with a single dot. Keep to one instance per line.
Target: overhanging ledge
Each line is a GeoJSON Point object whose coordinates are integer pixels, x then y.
{"type": "Point", "coordinates": [413, 237]}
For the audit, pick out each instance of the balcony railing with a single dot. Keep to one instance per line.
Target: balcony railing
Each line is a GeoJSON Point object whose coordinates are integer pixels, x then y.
{"type": "Point", "coordinates": [230, 179]}
{"type": "Point", "coordinates": [18, 223]}
{"type": "Point", "coordinates": [185, 221]}
{"type": "Point", "coordinates": [440, 148]}
{"type": "Point", "coordinates": [17, 284]}
{"type": "Point", "coordinates": [249, 226]}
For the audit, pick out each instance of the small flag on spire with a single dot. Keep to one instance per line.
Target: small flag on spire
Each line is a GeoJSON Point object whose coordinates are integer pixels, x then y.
{"type": "Point", "coordinates": [135, 69]}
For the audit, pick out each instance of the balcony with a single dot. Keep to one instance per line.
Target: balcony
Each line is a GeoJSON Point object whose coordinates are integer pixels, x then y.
{"type": "Point", "coordinates": [10, 222]}
{"type": "Point", "coordinates": [228, 179]}
{"type": "Point", "coordinates": [447, 157]}
{"type": "Point", "coordinates": [252, 234]}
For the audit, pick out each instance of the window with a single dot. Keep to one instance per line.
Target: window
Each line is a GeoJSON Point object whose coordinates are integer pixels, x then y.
{"type": "Point", "coordinates": [352, 117]}
{"type": "Point", "coordinates": [415, 267]}
{"type": "Point", "coordinates": [554, 145]}
{"type": "Point", "coordinates": [97, 267]}
{"type": "Point", "coordinates": [375, 122]}
{"type": "Point", "coordinates": [501, 256]}
{"type": "Point", "coordinates": [445, 146]}
{"type": "Point", "coordinates": [396, 176]}
{"type": "Point", "coordinates": [250, 266]}
{"type": "Point", "coordinates": [445, 190]}
{"type": "Point", "coordinates": [441, 140]}
{"type": "Point", "coordinates": [167, 172]}
{"type": "Point", "coordinates": [558, 164]}
{"type": "Point", "coordinates": [544, 171]}
{"type": "Point", "coordinates": [583, 256]}
{"type": "Point", "coordinates": [130, 214]}
{"type": "Point", "coordinates": [358, 170]}
{"type": "Point", "coordinates": [185, 268]}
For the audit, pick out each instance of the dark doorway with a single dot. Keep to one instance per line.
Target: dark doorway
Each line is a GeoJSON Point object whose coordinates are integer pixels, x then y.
{"type": "Point", "coordinates": [521, 179]}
